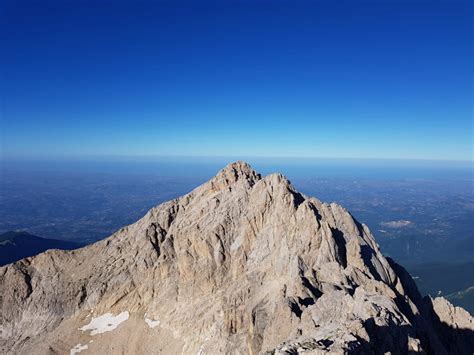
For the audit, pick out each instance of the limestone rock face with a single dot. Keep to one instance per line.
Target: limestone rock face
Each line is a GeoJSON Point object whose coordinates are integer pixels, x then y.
{"type": "Point", "coordinates": [241, 265]}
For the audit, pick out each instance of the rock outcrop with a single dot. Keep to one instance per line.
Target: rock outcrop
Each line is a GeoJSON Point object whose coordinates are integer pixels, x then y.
{"type": "Point", "coordinates": [241, 265]}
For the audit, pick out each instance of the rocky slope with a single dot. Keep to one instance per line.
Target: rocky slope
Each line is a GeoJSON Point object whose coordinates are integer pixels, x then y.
{"type": "Point", "coordinates": [241, 265]}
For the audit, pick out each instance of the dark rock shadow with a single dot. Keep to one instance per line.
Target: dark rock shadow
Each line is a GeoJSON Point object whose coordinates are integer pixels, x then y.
{"type": "Point", "coordinates": [395, 340]}
{"type": "Point", "coordinates": [298, 199]}
{"type": "Point", "coordinates": [367, 253]}
{"type": "Point", "coordinates": [435, 336]}
{"type": "Point", "coordinates": [341, 254]}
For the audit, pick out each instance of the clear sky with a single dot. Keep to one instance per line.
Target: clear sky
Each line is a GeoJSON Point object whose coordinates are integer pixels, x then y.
{"type": "Point", "coordinates": [382, 79]}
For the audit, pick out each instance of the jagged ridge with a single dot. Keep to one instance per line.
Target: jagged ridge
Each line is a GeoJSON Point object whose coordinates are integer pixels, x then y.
{"type": "Point", "coordinates": [242, 264]}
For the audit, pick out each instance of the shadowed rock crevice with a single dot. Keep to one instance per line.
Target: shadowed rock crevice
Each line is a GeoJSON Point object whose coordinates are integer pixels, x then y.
{"type": "Point", "coordinates": [367, 254]}
{"type": "Point", "coordinates": [341, 246]}
{"type": "Point", "coordinates": [307, 301]}
{"type": "Point", "coordinates": [314, 291]}
{"type": "Point", "coordinates": [294, 307]}
{"type": "Point", "coordinates": [298, 199]}
{"type": "Point", "coordinates": [152, 235]}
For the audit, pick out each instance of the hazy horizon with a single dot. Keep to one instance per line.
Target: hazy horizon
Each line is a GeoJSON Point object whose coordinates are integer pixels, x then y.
{"type": "Point", "coordinates": [230, 158]}
{"type": "Point", "coordinates": [206, 167]}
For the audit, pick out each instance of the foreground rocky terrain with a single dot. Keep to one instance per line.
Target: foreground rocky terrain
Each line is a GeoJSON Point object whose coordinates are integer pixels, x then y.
{"type": "Point", "coordinates": [241, 265]}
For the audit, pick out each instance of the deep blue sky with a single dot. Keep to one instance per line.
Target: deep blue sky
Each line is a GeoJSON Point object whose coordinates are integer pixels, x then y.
{"type": "Point", "coordinates": [383, 79]}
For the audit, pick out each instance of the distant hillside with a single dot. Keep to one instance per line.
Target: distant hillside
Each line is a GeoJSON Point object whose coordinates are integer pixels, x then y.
{"type": "Point", "coordinates": [18, 245]}
{"type": "Point", "coordinates": [455, 281]}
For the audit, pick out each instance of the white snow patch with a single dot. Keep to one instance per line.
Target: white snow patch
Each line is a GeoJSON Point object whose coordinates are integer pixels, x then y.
{"type": "Point", "coordinates": [152, 323]}
{"type": "Point", "coordinates": [77, 349]}
{"type": "Point", "coordinates": [105, 323]}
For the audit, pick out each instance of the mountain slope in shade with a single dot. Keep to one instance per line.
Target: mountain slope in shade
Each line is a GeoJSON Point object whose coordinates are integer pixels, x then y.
{"type": "Point", "coordinates": [18, 245]}
{"type": "Point", "coordinates": [241, 265]}
{"type": "Point", "coordinates": [454, 281]}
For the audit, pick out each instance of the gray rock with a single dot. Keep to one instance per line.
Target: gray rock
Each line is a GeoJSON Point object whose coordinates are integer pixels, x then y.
{"type": "Point", "coordinates": [241, 265]}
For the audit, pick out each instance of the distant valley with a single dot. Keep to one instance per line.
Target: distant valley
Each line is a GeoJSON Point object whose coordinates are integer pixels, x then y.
{"type": "Point", "coordinates": [18, 245]}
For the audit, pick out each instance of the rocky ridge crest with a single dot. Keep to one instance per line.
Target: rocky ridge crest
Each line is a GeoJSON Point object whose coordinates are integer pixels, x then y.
{"type": "Point", "coordinates": [242, 264]}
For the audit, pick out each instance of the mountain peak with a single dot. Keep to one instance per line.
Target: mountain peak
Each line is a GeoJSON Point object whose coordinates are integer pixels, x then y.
{"type": "Point", "coordinates": [252, 264]}
{"type": "Point", "coordinates": [238, 168]}
{"type": "Point", "coordinates": [234, 172]}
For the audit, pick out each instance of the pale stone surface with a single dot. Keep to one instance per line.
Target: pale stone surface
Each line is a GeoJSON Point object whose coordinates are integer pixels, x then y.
{"type": "Point", "coordinates": [152, 323]}
{"type": "Point", "coordinates": [77, 349]}
{"type": "Point", "coordinates": [241, 265]}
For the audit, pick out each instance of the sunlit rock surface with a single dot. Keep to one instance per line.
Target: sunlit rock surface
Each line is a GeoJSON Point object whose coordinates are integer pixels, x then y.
{"type": "Point", "coordinates": [243, 264]}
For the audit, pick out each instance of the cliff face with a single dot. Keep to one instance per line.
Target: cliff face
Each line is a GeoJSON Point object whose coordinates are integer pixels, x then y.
{"type": "Point", "coordinates": [242, 264]}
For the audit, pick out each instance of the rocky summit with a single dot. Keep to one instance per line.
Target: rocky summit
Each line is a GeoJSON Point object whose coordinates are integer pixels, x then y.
{"type": "Point", "coordinates": [243, 264]}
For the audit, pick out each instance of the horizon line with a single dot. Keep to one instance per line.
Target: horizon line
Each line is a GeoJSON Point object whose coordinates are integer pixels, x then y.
{"type": "Point", "coordinates": [234, 157]}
